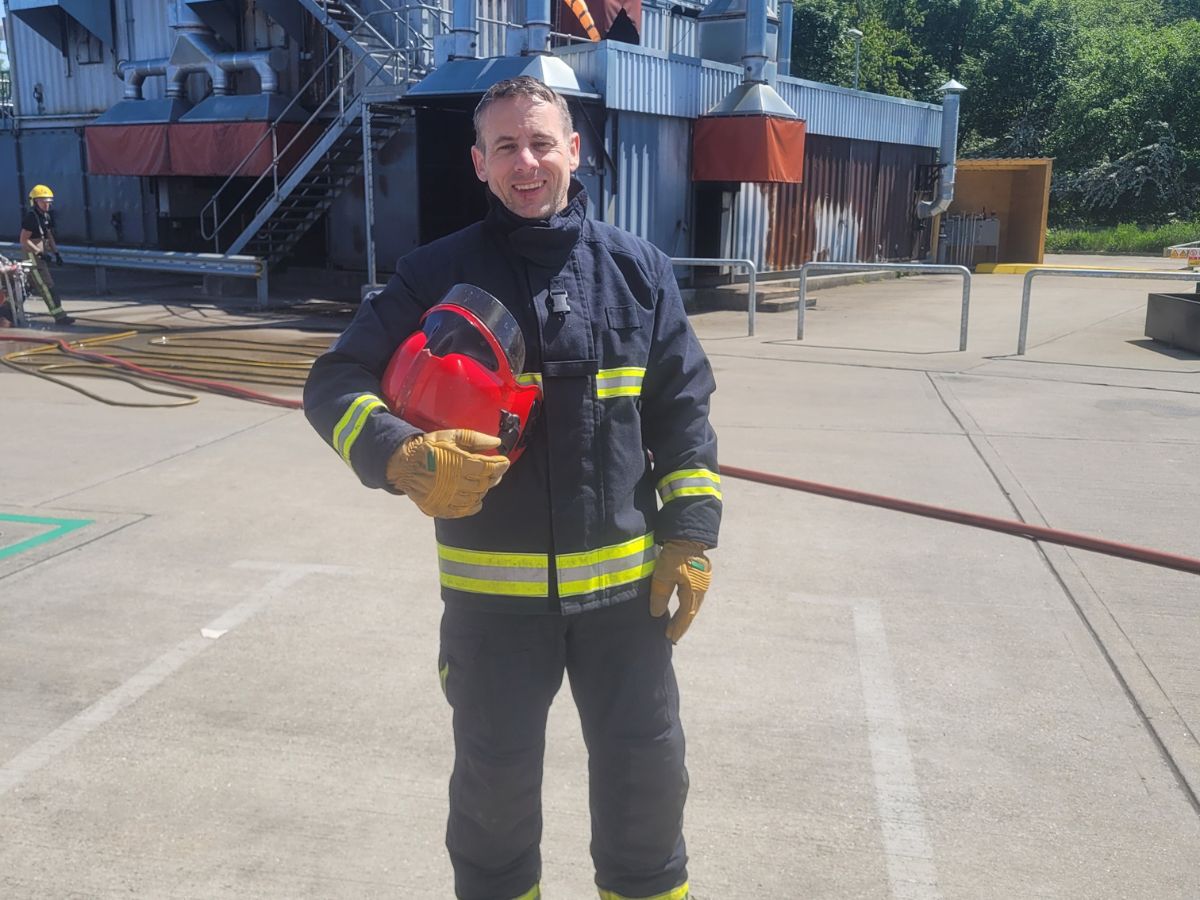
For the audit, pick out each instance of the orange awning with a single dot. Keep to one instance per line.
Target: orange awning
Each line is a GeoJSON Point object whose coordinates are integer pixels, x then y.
{"type": "Point", "coordinates": [748, 149]}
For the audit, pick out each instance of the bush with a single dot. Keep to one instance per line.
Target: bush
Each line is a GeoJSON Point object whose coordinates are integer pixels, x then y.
{"type": "Point", "coordinates": [1127, 238]}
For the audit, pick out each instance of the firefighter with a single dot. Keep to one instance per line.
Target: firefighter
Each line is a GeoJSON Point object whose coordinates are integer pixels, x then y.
{"type": "Point", "coordinates": [563, 553]}
{"type": "Point", "coordinates": [37, 240]}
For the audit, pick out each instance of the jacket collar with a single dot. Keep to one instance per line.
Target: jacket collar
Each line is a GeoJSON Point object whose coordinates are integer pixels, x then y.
{"type": "Point", "coordinates": [544, 242]}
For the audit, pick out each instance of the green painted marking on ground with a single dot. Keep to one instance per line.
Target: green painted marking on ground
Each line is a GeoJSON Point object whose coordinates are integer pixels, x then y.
{"type": "Point", "coordinates": [59, 528]}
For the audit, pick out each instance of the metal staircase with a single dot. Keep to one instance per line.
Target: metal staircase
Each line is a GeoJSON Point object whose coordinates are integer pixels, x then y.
{"type": "Point", "coordinates": [376, 58]}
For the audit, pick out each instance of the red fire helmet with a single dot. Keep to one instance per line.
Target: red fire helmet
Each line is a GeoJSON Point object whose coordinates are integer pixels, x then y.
{"type": "Point", "coordinates": [459, 371]}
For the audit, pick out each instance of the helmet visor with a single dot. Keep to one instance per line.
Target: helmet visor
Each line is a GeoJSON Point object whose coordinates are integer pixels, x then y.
{"type": "Point", "coordinates": [470, 322]}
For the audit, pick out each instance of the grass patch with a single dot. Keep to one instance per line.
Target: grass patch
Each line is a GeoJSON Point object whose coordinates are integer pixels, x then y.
{"type": "Point", "coordinates": [1132, 239]}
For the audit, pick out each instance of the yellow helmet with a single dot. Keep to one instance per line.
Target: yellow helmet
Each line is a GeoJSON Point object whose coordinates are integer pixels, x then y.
{"type": "Point", "coordinates": [40, 192]}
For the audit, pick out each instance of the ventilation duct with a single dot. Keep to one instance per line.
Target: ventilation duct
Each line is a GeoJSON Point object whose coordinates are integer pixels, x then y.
{"type": "Point", "coordinates": [752, 136]}
{"type": "Point", "coordinates": [49, 18]}
{"type": "Point", "coordinates": [947, 153]}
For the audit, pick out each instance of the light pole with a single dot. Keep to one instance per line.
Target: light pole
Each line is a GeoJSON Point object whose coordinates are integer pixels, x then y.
{"type": "Point", "coordinates": [858, 36]}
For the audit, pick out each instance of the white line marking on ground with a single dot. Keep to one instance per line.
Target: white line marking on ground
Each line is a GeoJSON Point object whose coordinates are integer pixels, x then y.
{"type": "Point", "coordinates": [911, 870]}
{"type": "Point", "coordinates": [72, 731]}
{"type": "Point", "coordinates": [902, 819]}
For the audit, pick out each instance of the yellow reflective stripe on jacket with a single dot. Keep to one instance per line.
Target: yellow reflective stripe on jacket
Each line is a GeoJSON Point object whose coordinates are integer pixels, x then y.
{"type": "Point", "coordinates": [484, 572]}
{"type": "Point", "coordinates": [534, 893]}
{"type": "Point", "coordinates": [594, 570]}
{"type": "Point", "coordinates": [679, 893]}
{"type": "Point", "coordinates": [622, 382]}
{"type": "Point", "coordinates": [689, 483]}
{"type": "Point", "coordinates": [528, 574]}
{"type": "Point", "coordinates": [350, 425]}
{"type": "Point", "coordinates": [625, 381]}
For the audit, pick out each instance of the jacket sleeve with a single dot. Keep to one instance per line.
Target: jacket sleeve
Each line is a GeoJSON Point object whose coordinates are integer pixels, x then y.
{"type": "Point", "coordinates": [675, 401]}
{"type": "Point", "coordinates": [342, 396]}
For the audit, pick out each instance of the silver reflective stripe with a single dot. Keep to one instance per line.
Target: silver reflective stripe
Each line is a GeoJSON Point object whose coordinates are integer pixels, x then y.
{"type": "Point", "coordinates": [507, 574]}
{"type": "Point", "coordinates": [595, 570]}
{"type": "Point", "coordinates": [689, 483]}
{"type": "Point", "coordinates": [623, 382]}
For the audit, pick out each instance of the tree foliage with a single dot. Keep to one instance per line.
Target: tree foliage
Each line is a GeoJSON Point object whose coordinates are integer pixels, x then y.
{"type": "Point", "coordinates": [1109, 88]}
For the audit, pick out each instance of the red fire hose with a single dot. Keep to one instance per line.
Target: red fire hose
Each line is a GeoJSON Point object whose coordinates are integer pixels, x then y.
{"type": "Point", "coordinates": [1006, 526]}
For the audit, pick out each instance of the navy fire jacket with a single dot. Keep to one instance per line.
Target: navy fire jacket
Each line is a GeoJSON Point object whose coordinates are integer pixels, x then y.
{"type": "Point", "coordinates": [622, 456]}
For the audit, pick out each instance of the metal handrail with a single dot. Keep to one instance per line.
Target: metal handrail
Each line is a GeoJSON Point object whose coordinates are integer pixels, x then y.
{"type": "Point", "coordinates": [272, 170]}
{"type": "Point", "coordinates": [916, 268]}
{"type": "Point", "coordinates": [1146, 275]}
{"type": "Point", "coordinates": [752, 280]}
{"type": "Point", "coordinates": [271, 133]}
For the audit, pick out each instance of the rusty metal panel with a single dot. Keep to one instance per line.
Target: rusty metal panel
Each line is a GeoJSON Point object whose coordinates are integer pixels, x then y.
{"type": "Point", "coordinates": [856, 205]}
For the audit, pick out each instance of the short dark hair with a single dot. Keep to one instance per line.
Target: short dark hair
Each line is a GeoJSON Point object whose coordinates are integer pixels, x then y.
{"type": "Point", "coordinates": [522, 86]}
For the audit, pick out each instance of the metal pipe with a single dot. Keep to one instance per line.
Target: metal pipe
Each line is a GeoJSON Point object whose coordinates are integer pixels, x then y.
{"type": "Point", "coordinates": [266, 63]}
{"type": "Point", "coordinates": [783, 48]}
{"type": "Point", "coordinates": [465, 29]}
{"type": "Point", "coordinates": [537, 27]}
{"type": "Point", "coordinates": [178, 74]}
{"type": "Point", "coordinates": [368, 191]}
{"type": "Point", "coordinates": [134, 72]}
{"type": "Point", "coordinates": [947, 152]}
{"type": "Point", "coordinates": [975, 520]}
{"type": "Point", "coordinates": [751, 279]}
{"type": "Point", "coordinates": [754, 60]}
{"type": "Point", "coordinates": [916, 268]}
{"type": "Point", "coordinates": [1026, 291]}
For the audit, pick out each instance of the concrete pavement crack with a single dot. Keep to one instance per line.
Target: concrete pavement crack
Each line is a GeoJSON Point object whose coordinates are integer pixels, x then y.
{"type": "Point", "coordinates": [1139, 684]}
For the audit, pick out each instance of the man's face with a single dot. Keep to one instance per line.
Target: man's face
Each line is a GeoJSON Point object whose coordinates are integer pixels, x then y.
{"type": "Point", "coordinates": [527, 157]}
{"type": "Point", "coordinates": [43, 203]}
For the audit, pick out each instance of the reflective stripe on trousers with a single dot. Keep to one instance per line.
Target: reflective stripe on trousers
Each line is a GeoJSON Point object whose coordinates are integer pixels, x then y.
{"type": "Point", "coordinates": [528, 574]}
{"type": "Point", "coordinates": [679, 893]}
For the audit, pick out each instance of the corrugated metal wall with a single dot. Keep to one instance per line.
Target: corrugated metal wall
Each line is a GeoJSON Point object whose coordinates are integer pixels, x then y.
{"type": "Point", "coordinates": [856, 204]}
{"type": "Point", "coordinates": [668, 33]}
{"type": "Point", "coordinates": [653, 186]}
{"type": "Point", "coordinates": [638, 79]}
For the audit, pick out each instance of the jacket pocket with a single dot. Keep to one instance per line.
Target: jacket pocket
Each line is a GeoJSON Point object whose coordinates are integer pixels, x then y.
{"type": "Point", "coordinates": [621, 318]}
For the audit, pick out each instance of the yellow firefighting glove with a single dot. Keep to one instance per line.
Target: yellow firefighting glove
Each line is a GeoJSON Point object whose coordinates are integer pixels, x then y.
{"type": "Point", "coordinates": [682, 565]}
{"type": "Point", "coordinates": [445, 472]}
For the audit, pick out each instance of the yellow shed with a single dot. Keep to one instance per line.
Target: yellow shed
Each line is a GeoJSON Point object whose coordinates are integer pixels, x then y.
{"type": "Point", "coordinates": [1010, 195]}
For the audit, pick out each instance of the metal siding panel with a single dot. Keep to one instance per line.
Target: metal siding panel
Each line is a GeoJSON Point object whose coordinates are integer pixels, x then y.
{"type": "Point", "coordinates": [653, 189]}
{"type": "Point", "coordinates": [646, 80]}
{"type": "Point", "coordinates": [395, 231]}
{"type": "Point", "coordinates": [71, 89]}
{"type": "Point", "coordinates": [840, 112]}
{"type": "Point", "coordinates": [659, 26]}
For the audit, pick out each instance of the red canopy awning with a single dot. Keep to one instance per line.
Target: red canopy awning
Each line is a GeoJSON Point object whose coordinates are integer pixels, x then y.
{"type": "Point", "coordinates": [748, 149]}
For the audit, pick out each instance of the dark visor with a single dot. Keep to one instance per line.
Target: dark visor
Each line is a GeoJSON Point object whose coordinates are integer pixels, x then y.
{"type": "Point", "coordinates": [448, 331]}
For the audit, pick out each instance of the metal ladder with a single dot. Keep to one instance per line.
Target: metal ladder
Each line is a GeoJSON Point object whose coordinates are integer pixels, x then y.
{"type": "Point", "coordinates": [269, 217]}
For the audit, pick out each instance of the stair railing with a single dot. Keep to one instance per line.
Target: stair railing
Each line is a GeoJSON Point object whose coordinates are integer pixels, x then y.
{"type": "Point", "coordinates": [345, 92]}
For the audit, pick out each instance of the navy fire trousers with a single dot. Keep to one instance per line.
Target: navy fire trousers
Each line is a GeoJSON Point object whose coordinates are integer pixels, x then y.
{"type": "Point", "coordinates": [500, 673]}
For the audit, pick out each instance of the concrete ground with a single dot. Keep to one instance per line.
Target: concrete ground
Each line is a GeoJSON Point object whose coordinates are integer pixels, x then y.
{"type": "Point", "coordinates": [218, 652]}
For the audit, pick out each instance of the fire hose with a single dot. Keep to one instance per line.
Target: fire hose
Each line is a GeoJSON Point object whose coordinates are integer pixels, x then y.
{"type": "Point", "coordinates": [946, 514]}
{"type": "Point", "coordinates": [206, 384]}
{"type": "Point", "coordinates": [975, 520]}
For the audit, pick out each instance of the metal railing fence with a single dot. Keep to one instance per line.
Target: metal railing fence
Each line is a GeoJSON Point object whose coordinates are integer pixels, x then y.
{"type": "Point", "coordinates": [1027, 288]}
{"type": "Point", "coordinates": [752, 280]}
{"type": "Point", "coordinates": [916, 268]}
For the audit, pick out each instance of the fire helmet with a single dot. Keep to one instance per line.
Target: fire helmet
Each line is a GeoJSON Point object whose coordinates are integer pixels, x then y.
{"type": "Point", "coordinates": [460, 371]}
{"type": "Point", "coordinates": [40, 192]}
